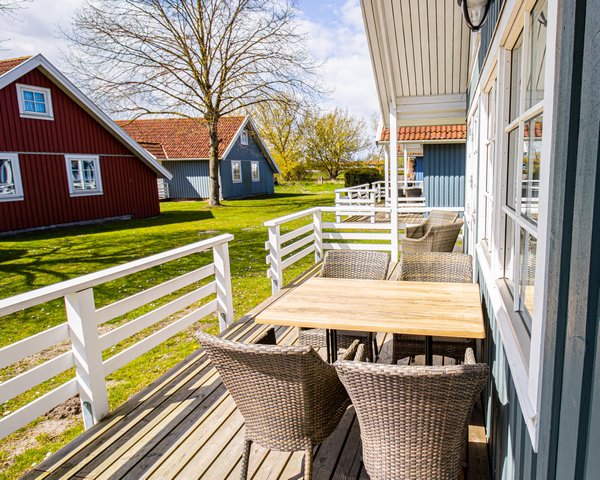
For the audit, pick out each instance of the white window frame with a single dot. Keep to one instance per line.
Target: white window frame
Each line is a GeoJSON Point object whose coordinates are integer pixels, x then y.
{"type": "Point", "coordinates": [233, 163]}
{"type": "Point", "coordinates": [16, 171]}
{"type": "Point", "coordinates": [252, 164]}
{"type": "Point", "coordinates": [525, 366]}
{"type": "Point", "coordinates": [97, 172]}
{"type": "Point", "coordinates": [48, 115]}
{"type": "Point", "coordinates": [244, 137]}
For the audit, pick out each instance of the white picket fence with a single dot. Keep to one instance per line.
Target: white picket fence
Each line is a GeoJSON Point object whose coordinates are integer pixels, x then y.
{"type": "Point", "coordinates": [315, 235]}
{"type": "Point", "coordinates": [87, 344]}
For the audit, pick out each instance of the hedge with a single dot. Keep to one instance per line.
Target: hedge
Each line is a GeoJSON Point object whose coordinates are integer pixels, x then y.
{"type": "Point", "coordinates": [358, 176]}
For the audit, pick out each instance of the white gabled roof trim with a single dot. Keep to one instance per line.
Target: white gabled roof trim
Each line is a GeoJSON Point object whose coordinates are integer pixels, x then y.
{"type": "Point", "coordinates": [261, 143]}
{"type": "Point", "coordinates": [77, 95]}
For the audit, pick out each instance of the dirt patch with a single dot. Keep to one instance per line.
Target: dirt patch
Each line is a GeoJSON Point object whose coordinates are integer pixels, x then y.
{"type": "Point", "coordinates": [70, 408]}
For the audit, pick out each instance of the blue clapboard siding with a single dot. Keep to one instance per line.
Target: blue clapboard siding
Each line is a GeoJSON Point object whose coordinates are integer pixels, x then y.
{"type": "Point", "coordinates": [444, 174]}
{"type": "Point", "coordinates": [246, 153]}
{"type": "Point", "coordinates": [510, 448]}
{"type": "Point", "coordinates": [190, 178]}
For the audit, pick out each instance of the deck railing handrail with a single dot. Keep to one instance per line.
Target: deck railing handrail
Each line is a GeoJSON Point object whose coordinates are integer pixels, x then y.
{"type": "Point", "coordinates": [86, 342]}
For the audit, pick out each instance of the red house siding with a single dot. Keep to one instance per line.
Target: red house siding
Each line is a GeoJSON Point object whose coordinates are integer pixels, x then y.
{"type": "Point", "coordinates": [129, 185]}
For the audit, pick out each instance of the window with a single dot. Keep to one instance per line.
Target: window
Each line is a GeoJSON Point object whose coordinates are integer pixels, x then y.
{"type": "Point", "coordinates": [244, 138]}
{"type": "Point", "coordinates": [10, 178]}
{"type": "Point", "coordinates": [34, 102]}
{"type": "Point", "coordinates": [523, 162]}
{"type": "Point", "coordinates": [255, 172]}
{"type": "Point", "coordinates": [83, 173]}
{"type": "Point", "coordinates": [236, 171]}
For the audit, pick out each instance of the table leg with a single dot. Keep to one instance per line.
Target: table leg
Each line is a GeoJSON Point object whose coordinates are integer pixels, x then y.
{"type": "Point", "coordinates": [331, 336]}
{"type": "Point", "coordinates": [428, 350]}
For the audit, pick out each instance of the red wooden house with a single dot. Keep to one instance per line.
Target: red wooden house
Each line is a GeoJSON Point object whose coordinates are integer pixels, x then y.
{"type": "Point", "coordinates": [63, 160]}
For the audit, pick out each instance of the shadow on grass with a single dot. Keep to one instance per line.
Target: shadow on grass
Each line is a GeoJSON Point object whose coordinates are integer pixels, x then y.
{"type": "Point", "coordinates": [166, 218]}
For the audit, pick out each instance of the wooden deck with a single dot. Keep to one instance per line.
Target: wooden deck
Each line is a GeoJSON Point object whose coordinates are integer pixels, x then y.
{"type": "Point", "coordinates": [185, 425]}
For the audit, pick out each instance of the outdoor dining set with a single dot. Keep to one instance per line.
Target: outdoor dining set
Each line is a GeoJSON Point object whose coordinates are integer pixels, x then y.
{"type": "Point", "coordinates": [413, 418]}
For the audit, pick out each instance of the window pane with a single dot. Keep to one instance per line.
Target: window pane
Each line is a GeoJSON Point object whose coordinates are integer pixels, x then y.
{"type": "Point", "coordinates": [515, 78]}
{"type": "Point", "coordinates": [40, 108]}
{"type": "Point", "coordinates": [527, 262]}
{"type": "Point", "coordinates": [510, 167]}
{"type": "Point", "coordinates": [532, 154]}
{"type": "Point", "coordinates": [39, 97]}
{"type": "Point", "coordinates": [7, 183]}
{"type": "Point", "coordinates": [535, 82]}
{"type": "Point", "coordinates": [509, 252]}
{"type": "Point", "coordinates": [27, 95]}
{"type": "Point", "coordinates": [29, 106]}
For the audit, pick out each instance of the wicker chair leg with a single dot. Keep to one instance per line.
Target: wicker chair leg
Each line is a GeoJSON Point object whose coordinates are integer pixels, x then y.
{"type": "Point", "coordinates": [308, 461]}
{"type": "Point", "coordinates": [246, 459]}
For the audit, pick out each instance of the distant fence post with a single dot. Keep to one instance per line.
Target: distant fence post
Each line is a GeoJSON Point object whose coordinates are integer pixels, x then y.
{"type": "Point", "coordinates": [318, 232]}
{"type": "Point", "coordinates": [223, 280]}
{"type": "Point", "coordinates": [87, 355]}
{"type": "Point", "coordinates": [275, 259]}
{"type": "Point", "coordinates": [373, 204]}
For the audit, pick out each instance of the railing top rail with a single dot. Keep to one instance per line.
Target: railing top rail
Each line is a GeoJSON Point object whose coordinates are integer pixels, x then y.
{"type": "Point", "coordinates": [354, 187]}
{"type": "Point", "coordinates": [52, 292]}
{"type": "Point", "coordinates": [356, 208]}
{"type": "Point", "coordinates": [291, 217]}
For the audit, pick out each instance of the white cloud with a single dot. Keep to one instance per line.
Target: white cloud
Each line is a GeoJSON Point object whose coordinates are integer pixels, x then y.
{"type": "Point", "coordinates": [338, 42]}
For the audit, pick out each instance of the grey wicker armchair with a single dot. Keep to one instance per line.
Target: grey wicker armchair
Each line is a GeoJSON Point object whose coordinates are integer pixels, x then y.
{"type": "Point", "coordinates": [437, 238]}
{"type": "Point", "coordinates": [413, 420]}
{"type": "Point", "coordinates": [436, 217]}
{"type": "Point", "coordinates": [362, 264]}
{"type": "Point", "coordinates": [289, 397]}
{"type": "Point", "coordinates": [433, 267]}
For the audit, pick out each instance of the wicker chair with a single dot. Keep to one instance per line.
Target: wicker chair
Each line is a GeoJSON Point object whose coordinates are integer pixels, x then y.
{"type": "Point", "coordinates": [413, 420]}
{"type": "Point", "coordinates": [289, 397]}
{"type": "Point", "coordinates": [437, 238]}
{"type": "Point", "coordinates": [362, 264]}
{"type": "Point", "coordinates": [433, 267]}
{"type": "Point", "coordinates": [436, 217]}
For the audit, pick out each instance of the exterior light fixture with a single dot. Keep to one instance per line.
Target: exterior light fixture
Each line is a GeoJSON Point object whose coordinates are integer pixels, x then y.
{"type": "Point", "coordinates": [475, 12]}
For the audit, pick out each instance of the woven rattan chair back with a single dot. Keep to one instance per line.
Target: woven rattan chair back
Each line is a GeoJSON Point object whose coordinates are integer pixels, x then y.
{"type": "Point", "coordinates": [436, 267]}
{"type": "Point", "coordinates": [413, 420]}
{"type": "Point", "coordinates": [289, 397]}
{"type": "Point", "coordinates": [437, 238]}
{"type": "Point", "coordinates": [360, 264]}
{"type": "Point", "coordinates": [441, 217]}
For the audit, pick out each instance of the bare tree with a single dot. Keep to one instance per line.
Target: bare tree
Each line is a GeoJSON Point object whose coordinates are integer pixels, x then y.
{"type": "Point", "coordinates": [9, 7]}
{"type": "Point", "coordinates": [191, 58]}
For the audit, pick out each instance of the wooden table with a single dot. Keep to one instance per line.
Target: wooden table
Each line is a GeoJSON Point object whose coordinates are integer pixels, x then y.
{"type": "Point", "coordinates": [412, 308]}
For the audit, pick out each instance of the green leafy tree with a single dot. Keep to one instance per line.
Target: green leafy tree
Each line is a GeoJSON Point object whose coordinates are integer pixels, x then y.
{"type": "Point", "coordinates": [332, 141]}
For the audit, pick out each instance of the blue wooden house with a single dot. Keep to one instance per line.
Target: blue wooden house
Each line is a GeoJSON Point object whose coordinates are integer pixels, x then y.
{"type": "Point", "coordinates": [182, 147]}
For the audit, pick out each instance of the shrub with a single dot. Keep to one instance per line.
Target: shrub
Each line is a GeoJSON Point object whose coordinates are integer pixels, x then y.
{"type": "Point", "coordinates": [358, 176]}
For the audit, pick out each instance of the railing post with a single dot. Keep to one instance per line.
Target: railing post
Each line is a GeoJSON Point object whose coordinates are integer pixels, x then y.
{"type": "Point", "coordinates": [337, 198]}
{"type": "Point", "coordinates": [318, 232]}
{"type": "Point", "coordinates": [223, 280]}
{"type": "Point", "coordinates": [373, 203]}
{"type": "Point", "coordinates": [275, 254]}
{"type": "Point", "coordinates": [81, 316]}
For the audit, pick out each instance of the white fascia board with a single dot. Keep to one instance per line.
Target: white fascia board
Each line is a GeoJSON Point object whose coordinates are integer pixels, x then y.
{"type": "Point", "coordinates": [77, 95]}
{"type": "Point", "coordinates": [248, 121]}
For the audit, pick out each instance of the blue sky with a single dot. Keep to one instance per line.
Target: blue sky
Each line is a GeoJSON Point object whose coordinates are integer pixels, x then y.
{"type": "Point", "coordinates": [335, 36]}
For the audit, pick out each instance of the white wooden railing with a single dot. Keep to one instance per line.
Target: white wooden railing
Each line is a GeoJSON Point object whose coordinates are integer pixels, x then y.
{"type": "Point", "coordinates": [315, 235]}
{"type": "Point", "coordinates": [87, 344]}
{"type": "Point", "coordinates": [357, 196]}
{"type": "Point", "coordinates": [163, 189]}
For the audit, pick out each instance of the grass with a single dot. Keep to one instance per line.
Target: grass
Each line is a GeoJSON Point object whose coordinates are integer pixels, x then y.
{"type": "Point", "coordinates": [35, 260]}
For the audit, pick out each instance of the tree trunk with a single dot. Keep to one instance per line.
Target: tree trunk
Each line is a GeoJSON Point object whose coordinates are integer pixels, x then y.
{"type": "Point", "coordinates": [213, 164]}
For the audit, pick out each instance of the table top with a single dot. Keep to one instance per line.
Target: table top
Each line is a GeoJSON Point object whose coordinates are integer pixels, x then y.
{"type": "Point", "coordinates": [414, 308]}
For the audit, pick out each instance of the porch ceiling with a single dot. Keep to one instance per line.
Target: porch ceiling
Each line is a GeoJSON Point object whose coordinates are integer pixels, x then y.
{"type": "Point", "coordinates": [420, 56]}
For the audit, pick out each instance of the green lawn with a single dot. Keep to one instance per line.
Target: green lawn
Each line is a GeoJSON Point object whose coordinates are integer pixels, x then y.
{"type": "Point", "coordinates": [35, 260]}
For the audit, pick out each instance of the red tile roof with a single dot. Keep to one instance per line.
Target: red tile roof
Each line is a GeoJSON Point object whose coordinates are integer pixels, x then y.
{"type": "Point", "coordinates": [9, 63]}
{"type": "Point", "coordinates": [180, 137]}
{"type": "Point", "coordinates": [431, 132]}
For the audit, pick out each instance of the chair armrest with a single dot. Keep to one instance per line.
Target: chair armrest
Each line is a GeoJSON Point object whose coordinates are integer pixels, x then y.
{"type": "Point", "coordinates": [267, 338]}
{"type": "Point", "coordinates": [356, 352]}
{"type": "Point", "coordinates": [470, 357]}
